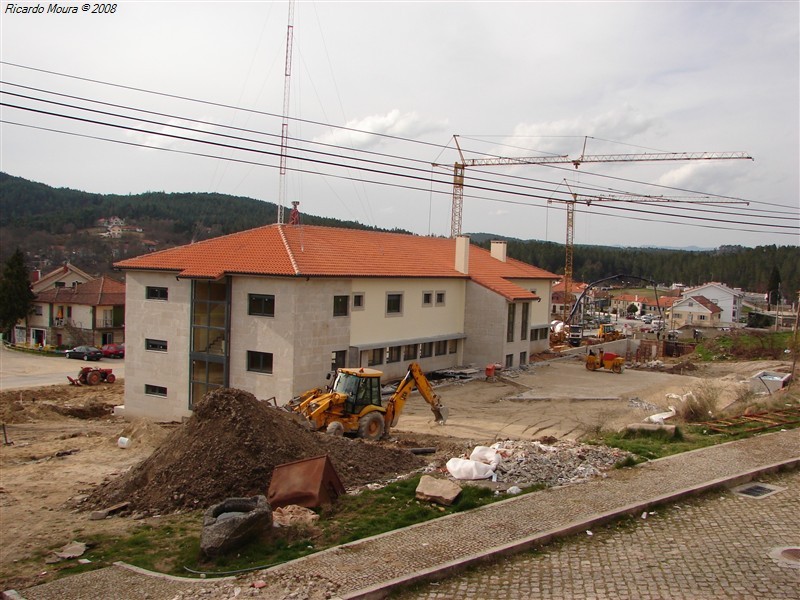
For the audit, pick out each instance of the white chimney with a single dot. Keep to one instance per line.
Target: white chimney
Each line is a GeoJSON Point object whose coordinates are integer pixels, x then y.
{"type": "Point", "coordinates": [499, 250]}
{"type": "Point", "coordinates": [462, 254]}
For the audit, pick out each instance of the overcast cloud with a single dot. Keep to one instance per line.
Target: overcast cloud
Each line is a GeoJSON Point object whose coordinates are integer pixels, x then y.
{"type": "Point", "coordinates": [511, 79]}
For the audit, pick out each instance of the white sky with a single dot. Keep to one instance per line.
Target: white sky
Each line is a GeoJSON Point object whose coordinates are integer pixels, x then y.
{"type": "Point", "coordinates": [512, 79]}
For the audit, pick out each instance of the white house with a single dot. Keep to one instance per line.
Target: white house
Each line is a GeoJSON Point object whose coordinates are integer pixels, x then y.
{"type": "Point", "coordinates": [272, 310]}
{"type": "Point", "coordinates": [728, 300]}
{"type": "Point", "coordinates": [696, 311]}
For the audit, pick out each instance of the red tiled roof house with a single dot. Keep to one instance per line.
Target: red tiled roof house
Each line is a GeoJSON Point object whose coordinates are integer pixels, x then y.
{"type": "Point", "coordinates": [272, 310]}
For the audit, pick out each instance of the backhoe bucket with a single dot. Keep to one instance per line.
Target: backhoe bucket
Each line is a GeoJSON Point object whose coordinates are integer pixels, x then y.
{"type": "Point", "coordinates": [440, 413]}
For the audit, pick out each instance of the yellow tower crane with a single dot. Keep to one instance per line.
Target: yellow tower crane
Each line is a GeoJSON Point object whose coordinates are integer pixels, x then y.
{"type": "Point", "coordinates": [459, 168]}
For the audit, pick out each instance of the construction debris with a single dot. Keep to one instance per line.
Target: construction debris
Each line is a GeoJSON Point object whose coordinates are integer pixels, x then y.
{"type": "Point", "coordinates": [441, 491]}
{"type": "Point", "coordinates": [230, 447]}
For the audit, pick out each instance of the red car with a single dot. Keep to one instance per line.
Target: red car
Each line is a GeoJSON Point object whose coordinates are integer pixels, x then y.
{"type": "Point", "coordinates": [113, 350]}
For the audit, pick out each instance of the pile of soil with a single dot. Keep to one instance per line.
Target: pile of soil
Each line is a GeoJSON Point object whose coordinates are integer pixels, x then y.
{"type": "Point", "coordinates": [229, 448]}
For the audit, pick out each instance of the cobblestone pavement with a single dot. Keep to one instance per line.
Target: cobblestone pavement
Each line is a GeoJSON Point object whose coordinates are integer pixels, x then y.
{"type": "Point", "coordinates": [713, 547]}
{"type": "Point", "coordinates": [372, 567]}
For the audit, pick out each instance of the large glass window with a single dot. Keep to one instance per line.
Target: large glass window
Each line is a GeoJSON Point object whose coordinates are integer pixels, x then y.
{"type": "Point", "coordinates": [410, 352]}
{"type": "Point", "coordinates": [526, 306]}
{"type": "Point", "coordinates": [426, 350]}
{"type": "Point", "coordinates": [262, 305]}
{"type": "Point", "coordinates": [441, 347]}
{"type": "Point", "coordinates": [393, 355]}
{"type": "Point", "coordinates": [338, 358]}
{"type": "Point", "coordinates": [510, 328]}
{"type": "Point", "coordinates": [375, 357]}
{"type": "Point", "coordinates": [209, 345]}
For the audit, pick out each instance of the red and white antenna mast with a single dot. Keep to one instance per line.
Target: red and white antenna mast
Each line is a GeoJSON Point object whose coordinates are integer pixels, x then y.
{"type": "Point", "coordinates": [285, 124]}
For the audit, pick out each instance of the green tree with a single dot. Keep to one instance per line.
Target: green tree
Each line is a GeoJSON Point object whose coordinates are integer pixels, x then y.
{"type": "Point", "coordinates": [773, 287]}
{"type": "Point", "coordinates": [16, 296]}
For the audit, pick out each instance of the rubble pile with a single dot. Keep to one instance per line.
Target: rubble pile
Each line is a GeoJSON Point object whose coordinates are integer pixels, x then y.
{"type": "Point", "coordinates": [528, 463]}
{"type": "Point", "coordinates": [229, 448]}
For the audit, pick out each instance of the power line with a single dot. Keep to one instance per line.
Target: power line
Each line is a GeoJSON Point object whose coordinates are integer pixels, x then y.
{"type": "Point", "coordinates": [401, 186]}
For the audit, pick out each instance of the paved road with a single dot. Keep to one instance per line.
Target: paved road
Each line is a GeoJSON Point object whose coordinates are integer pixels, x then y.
{"type": "Point", "coordinates": [714, 547]}
{"type": "Point", "coordinates": [26, 370]}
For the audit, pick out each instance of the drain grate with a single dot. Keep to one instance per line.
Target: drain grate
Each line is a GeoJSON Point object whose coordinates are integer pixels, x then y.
{"type": "Point", "coordinates": [757, 490]}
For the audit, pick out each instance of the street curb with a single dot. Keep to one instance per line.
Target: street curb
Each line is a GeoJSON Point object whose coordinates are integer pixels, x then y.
{"type": "Point", "coordinates": [444, 570]}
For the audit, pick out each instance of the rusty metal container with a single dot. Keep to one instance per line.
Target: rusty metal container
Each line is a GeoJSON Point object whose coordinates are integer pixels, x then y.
{"type": "Point", "coordinates": [310, 482]}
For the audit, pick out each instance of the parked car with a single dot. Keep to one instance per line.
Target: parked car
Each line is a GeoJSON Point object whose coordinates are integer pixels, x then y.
{"type": "Point", "coordinates": [85, 352]}
{"type": "Point", "coordinates": [113, 350]}
{"type": "Point", "coordinates": [647, 319]}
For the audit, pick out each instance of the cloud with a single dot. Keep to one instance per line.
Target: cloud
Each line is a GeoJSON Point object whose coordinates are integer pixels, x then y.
{"type": "Point", "coordinates": [393, 123]}
{"type": "Point", "coordinates": [619, 124]}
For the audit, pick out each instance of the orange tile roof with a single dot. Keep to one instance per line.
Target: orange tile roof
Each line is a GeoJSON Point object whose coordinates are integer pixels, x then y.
{"type": "Point", "coordinates": [313, 251]}
{"type": "Point", "coordinates": [103, 291]}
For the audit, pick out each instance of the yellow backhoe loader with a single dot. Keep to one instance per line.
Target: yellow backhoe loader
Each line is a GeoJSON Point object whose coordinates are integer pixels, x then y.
{"type": "Point", "coordinates": [353, 404]}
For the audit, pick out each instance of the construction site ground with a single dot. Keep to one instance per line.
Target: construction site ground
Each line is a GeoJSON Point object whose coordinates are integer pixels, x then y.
{"type": "Point", "coordinates": [64, 442]}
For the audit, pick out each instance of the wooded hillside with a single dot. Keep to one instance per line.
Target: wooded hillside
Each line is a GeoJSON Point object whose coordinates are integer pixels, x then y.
{"type": "Point", "coordinates": [52, 225]}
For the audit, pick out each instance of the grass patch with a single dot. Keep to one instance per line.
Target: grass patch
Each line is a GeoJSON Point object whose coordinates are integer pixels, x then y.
{"type": "Point", "coordinates": [650, 445]}
{"type": "Point", "coordinates": [169, 543]}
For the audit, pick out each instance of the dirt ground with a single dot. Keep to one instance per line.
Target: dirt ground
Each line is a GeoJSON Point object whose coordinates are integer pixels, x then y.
{"type": "Point", "coordinates": [63, 440]}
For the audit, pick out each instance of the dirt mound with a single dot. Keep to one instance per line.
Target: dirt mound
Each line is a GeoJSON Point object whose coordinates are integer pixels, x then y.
{"type": "Point", "coordinates": [229, 448]}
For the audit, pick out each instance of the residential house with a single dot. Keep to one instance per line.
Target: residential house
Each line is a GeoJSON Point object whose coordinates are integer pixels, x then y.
{"type": "Point", "coordinates": [87, 313]}
{"type": "Point", "coordinates": [644, 304]}
{"type": "Point", "coordinates": [67, 275]}
{"type": "Point", "coordinates": [727, 299]}
{"type": "Point", "coordinates": [558, 296]}
{"type": "Point", "coordinates": [272, 310]}
{"type": "Point", "coordinates": [694, 311]}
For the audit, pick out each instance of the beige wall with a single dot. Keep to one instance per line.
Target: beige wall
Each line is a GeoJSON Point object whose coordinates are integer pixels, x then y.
{"type": "Point", "coordinates": [301, 336]}
{"type": "Point", "coordinates": [372, 325]}
{"type": "Point", "coordinates": [162, 320]}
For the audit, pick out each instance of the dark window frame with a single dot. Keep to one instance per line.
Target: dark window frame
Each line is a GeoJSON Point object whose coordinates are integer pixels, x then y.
{"type": "Point", "coordinates": [260, 362]}
{"type": "Point", "coordinates": [338, 309]}
{"type": "Point", "coordinates": [155, 345]}
{"type": "Point", "coordinates": [394, 304]}
{"type": "Point", "coordinates": [155, 390]}
{"type": "Point", "coordinates": [156, 292]}
{"type": "Point", "coordinates": [253, 301]}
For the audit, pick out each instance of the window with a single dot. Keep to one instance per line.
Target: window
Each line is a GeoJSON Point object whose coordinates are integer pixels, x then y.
{"type": "Point", "coordinates": [509, 361]}
{"type": "Point", "coordinates": [410, 352]}
{"type": "Point", "coordinates": [510, 330]}
{"type": "Point", "coordinates": [441, 348]}
{"type": "Point", "coordinates": [541, 333]}
{"type": "Point", "coordinates": [523, 358]}
{"type": "Point", "coordinates": [338, 358]}
{"type": "Point", "coordinates": [341, 306]}
{"type": "Point", "coordinates": [37, 310]}
{"type": "Point", "coordinates": [394, 304]}
{"type": "Point", "coordinates": [426, 350]}
{"type": "Point", "coordinates": [427, 298]}
{"type": "Point", "coordinates": [701, 317]}
{"type": "Point", "coordinates": [439, 298]}
{"type": "Point", "coordinates": [259, 362]}
{"type": "Point", "coordinates": [155, 390]}
{"type": "Point", "coordinates": [453, 346]}
{"type": "Point", "coordinates": [60, 284]}
{"type": "Point", "coordinates": [69, 312]}
{"type": "Point", "coordinates": [358, 301]}
{"type": "Point", "coordinates": [375, 357]}
{"type": "Point", "coordinates": [156, 293]}
{"type": "Point", "coordinates": [262, 305]}
{"type": "Point", "coordinates": [393, 355]}
{"type": "Point", "coordinates": [157, 345]}
{"type": "Point", "coordinates": [523, 335]}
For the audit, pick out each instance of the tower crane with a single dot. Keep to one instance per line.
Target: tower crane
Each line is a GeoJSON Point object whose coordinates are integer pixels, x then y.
{"type": "Point", "coordinates": [459, 168]}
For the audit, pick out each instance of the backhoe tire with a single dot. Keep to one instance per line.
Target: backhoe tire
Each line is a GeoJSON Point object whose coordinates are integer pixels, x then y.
{"type": "Point", "coordinates": [591, 365]}
{"type": "Point", "coordinates": [93, 378]}
{"type": "Point", "coordinates": [110, 378]}
{"type": "Point", "coordinates": [370, 426]}
{"type": "Point", "coordinates": [616, 368]}
{"type": "Point", "coordinates": [335, 428]}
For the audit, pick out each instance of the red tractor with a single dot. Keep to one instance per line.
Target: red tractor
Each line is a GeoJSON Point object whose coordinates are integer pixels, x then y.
{"type": "Point", "coordinates": [605, 360]}
{"type": "Point", "coordinates": [92, 376]}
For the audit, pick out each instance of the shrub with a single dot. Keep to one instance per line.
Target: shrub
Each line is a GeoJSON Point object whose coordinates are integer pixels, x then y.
{"type": "Point", "coordinates": [701, 404]}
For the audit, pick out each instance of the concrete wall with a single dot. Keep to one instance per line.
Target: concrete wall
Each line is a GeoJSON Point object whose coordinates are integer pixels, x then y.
{"type": "Point", "coordinates": [167, 320]}
{"type": "Point", "coordinates": [485, 326]}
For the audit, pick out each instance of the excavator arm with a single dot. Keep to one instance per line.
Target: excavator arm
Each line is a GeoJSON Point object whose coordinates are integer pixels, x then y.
{"type": "Point", "coordinates": [414, 378]}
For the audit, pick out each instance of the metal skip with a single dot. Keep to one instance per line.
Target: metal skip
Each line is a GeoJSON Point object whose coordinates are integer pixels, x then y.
{"type": "Point", "coordinates": [310, 482]}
